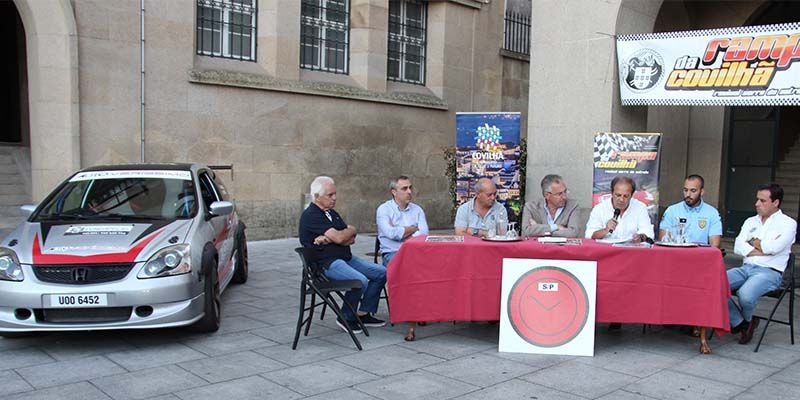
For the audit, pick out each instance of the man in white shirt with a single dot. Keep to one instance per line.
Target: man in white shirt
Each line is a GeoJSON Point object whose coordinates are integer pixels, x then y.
{"type": "Point", "coordinates": [765, 242]}
{"type": "Point", "coordinates": [399, 219]}
{"type": "Point", "coordinates": [621, 216]}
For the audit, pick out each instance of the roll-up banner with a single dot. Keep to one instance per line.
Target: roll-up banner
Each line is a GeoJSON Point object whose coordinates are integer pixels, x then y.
{"type": "Point", "coordinates": [487, 145]}
{"type": "Point", "coordinates": [741, 66]}
{"type": "Point", "coordinates": [635, 155]}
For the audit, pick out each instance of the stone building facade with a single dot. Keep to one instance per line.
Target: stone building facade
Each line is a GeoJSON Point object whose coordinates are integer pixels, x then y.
{"type": "Point", "coordinates": [269, 124]}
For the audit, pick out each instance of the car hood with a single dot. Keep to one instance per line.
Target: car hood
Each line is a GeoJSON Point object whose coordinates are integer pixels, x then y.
{"type": "Point", "coordinates": [94, 242]}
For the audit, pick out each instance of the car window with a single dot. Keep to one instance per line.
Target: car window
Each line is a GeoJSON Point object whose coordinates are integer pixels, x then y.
{"type": "Point", "coordinates": [130, 196]}
{"type": "Point", "coordinates": [221, 190]}
{"type": "Point", "coordinates": [207, 190]}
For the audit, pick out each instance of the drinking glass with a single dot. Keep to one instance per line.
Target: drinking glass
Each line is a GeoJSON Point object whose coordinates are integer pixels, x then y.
{"type": "Point", "coordinates": [502, 225]}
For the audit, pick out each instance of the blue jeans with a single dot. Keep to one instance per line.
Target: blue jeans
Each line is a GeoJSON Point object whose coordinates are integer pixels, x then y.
{"type": "Point", "coordinates": [372, 277]}
{"type": "Point", "coordinates": [388, 257]}
{"type": "Point", "coordinates": [752, 282]}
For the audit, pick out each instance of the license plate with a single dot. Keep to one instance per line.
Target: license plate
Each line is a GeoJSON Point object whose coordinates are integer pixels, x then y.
{"type": "Point", "coordinates": [77, 300]}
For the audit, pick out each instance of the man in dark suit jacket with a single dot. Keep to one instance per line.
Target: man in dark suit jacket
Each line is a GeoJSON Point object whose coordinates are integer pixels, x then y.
{"type": "Point", "coordinates": [553, 215]}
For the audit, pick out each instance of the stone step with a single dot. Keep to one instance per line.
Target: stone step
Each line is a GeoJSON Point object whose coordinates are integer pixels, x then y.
{"type": "Point", "coordinates": [11, 179]}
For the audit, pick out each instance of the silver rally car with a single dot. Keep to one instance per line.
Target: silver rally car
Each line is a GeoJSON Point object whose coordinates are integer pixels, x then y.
{"type": "Point", "coordinates": [115, 247]}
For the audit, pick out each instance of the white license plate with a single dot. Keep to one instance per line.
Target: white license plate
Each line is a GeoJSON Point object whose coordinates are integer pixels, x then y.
{"type": "Point", "coordinates": [76, 300]}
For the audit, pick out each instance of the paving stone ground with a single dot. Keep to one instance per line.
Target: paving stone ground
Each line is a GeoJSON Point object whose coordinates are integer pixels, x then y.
{"type": "Point", "coordinates": [251, 358]}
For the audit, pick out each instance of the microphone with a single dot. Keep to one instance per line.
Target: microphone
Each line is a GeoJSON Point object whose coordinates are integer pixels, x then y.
{"type": "Point", "coordinates": [616, 217]}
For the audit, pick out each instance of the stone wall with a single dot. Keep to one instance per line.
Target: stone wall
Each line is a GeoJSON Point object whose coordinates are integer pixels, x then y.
{"type": "Point", "coordinates": [276, 125]}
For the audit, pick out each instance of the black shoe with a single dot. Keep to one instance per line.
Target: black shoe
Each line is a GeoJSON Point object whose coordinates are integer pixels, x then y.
{"type": "Point", "coordinates": [353, 325]}
{"type": "Point", "coordinates": [747, 334]}
{"type": "Point", "coordinates": [370, 321]}
{"type": "Point", "coordinates": [738, 328]}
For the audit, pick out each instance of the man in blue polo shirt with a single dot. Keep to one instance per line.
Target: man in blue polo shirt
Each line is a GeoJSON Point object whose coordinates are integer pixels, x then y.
{"type": "Point", "coordinates": [701, 221]}
{"type": "Point", "coordinates": [323, 229]}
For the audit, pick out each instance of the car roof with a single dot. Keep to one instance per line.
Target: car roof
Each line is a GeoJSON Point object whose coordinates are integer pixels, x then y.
{"type": "Point", "coordinates": [145, 166]}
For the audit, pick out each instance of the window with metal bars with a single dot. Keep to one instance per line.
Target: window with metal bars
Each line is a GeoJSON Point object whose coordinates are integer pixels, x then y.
{"type": "Point", "coordinates": [325, 35]}
{"type": "Point", "coordinates": [407, 33]}
{"type": "Point", "coordinates": [227, 28]}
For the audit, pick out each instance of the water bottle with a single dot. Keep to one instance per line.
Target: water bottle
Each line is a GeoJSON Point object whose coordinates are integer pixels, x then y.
{"type": "Point", "coordinates": [491, 227]}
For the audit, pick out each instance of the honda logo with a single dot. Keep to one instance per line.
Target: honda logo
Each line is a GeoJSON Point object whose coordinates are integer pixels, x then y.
{"type": "Point", "coordinates": [80, 274]}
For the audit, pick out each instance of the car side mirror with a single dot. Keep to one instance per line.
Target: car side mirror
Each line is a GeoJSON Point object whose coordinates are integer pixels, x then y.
{"type": "Point", "coordinates": [27, 209]}
{"type": "Point", "coordinates": [218, 208]}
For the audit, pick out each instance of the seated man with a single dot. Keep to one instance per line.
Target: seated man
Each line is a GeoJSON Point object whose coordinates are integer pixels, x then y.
{"type": "Point", "coordinates": [399, 219]}
{"type": "Point", "coordinates": [621, 216]}
{"type": "Point", "coordinates": [322, 229]}
{"type": "Point", "coordinates": [701, 221]}
{"type": "Point", "coordinates": [765, 242]}
{"type": "Point", "coordinates": [475, 216]}
{"type": "Point", "coordinates": [554, 214]}
{"type": "Point", "coordinates": [147, 197]}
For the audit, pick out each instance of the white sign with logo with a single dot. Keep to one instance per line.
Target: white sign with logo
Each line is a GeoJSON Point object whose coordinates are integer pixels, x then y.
{"type": "Point", "coordinates": [752, 65]}
{"type": "Point", "coordinates": [548, 306]}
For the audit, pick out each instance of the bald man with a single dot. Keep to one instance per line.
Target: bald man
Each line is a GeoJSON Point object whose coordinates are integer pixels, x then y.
{"type": "Point", "coordinates": [475, 216]}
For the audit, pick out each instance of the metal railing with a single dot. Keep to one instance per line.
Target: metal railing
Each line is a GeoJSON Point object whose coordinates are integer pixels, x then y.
{"type": "Point", "coordinates": [517, 33]}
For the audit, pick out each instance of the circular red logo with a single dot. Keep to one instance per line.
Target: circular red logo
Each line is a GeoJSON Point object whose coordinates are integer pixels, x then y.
{"type": "Point", "coordinates": [548, 306]}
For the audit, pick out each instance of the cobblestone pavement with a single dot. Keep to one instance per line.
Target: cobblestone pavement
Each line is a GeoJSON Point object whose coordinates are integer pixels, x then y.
{"type": "Point", "coordinates": [251, 358]}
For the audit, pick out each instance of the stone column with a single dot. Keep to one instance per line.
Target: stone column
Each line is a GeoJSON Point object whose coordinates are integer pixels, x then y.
{"type": "Point", "coordinates": [279, 39]}
{"type": "Point", "coordinates": [52, 45]}
{"type": "Point", "coordinates": [369, 29]}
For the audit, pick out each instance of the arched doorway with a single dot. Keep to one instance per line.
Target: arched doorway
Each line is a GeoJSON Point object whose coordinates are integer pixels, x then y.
{"type": "Point", "coordinates": [13, 77]}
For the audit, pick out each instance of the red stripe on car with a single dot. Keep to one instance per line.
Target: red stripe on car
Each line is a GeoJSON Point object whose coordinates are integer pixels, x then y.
{"type": "Point", "coordinates": [108, 258]}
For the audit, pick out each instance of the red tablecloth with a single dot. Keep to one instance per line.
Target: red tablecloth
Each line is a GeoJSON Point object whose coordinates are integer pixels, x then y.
{"type": "Point", "coordinates": [434, 281]}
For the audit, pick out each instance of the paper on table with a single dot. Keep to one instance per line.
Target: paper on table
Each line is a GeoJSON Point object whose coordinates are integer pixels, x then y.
{"type": "Point", "coordinates": [550, 239]}
{"type": "Point", "coordinates": [613, 240]}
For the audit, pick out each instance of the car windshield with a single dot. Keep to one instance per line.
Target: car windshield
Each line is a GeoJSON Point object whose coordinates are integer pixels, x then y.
{"type": "Point", "coordinates": [126, 195]}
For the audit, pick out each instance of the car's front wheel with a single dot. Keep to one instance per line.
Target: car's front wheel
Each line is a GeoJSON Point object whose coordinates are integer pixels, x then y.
{"type": "Point", "coordinates": [212, 303]}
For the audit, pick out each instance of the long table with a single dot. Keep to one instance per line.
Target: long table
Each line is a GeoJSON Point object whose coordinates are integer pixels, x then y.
{"type": "Point", "coordinates": [461, 281]}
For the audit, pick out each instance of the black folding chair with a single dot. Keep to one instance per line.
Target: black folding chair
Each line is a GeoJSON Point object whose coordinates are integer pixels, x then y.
{"type": "Point", "coordinates": [315, 283]}
{"type": "Point", "coordinates": [788, 284]}
{"type": "Point", "coordinates": [375, 254]}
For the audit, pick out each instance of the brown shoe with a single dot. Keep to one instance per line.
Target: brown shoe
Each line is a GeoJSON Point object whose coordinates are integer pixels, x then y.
{"type": "Point", "coordinates": [747, 334]}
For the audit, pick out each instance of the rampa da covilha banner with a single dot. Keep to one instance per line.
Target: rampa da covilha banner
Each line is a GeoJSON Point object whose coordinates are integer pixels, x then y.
{"type": "Point", "coordinates": [635, 155]}
{"type": "Point", "coordinates": [750, 65]}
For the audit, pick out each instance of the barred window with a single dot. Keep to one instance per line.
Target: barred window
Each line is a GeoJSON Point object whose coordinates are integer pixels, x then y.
{"type": "Point", "coordinates": [407, 33]}
{"type": "Point", "coordinates": [325, 35]}
{"type": "Point", "coordinates": [227, 28]}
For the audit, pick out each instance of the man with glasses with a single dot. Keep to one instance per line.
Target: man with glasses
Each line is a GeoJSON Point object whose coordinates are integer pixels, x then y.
{"type": "Point", "coordinates": [553, 215]}
{"type": "Point", "coordinates": [621, 216]}
{"type": "Point", "coordinates": [476, 215]}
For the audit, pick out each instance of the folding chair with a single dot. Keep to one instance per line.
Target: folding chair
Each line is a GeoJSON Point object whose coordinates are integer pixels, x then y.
{"type": "Point", "coordinates": [787, 286]}
{"type": "Point", "coordinates": [315, 282]}
{"type": "Point", "coordinates": [375, 254]}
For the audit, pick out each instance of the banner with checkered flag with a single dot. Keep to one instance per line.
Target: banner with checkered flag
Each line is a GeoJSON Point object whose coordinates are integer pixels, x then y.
{"type": "Point", "coordinates": [635, 155]}
{"type": "Point", "coordinates": [739, 66]}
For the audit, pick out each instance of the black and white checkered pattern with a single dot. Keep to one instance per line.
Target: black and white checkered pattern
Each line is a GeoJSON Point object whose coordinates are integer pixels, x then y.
{"type": "Point", "coordinates": [733, 31]}
{"type": "Point", "coordinates": [739, 101]}
{"type": "Point", "coordinates": [607, 144]}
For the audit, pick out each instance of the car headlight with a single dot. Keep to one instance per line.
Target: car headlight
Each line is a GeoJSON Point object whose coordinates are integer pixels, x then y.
{"type": "Point", "coordinates": [173, 260]}
{"type": "Point", "coordinates": [10, 270]}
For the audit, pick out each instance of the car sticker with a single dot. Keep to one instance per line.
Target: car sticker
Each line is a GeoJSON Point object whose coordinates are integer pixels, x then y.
{"type": "Point", "coordinates": [90, 175]}
{"type": "Point", "coordinates": [98, 230]}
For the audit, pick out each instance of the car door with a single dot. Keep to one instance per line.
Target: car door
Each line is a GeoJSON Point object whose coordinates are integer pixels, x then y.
{"type": "Point", "coordinates": [222, 225]}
